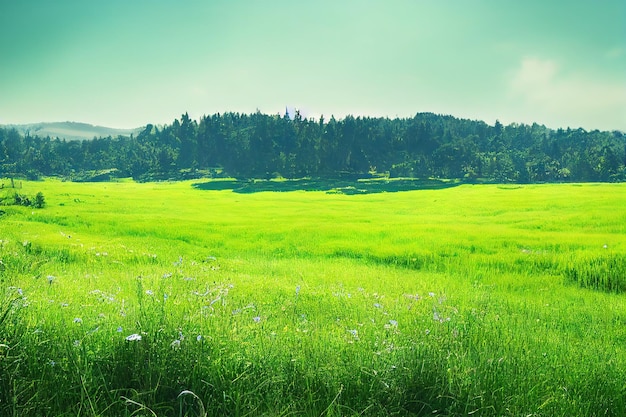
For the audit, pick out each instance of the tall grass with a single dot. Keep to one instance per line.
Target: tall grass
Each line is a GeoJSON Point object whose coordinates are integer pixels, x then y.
{"type": "Point", "coordinates": [126, 299]}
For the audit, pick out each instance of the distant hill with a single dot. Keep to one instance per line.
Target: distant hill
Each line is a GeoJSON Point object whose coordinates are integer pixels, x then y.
{"type": "Point", "coordinates": [72, 130]}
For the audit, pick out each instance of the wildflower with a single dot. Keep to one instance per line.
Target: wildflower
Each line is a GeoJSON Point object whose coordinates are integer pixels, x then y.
{"type": "Point", "coordinates": [51, 362]}
{"type": "Point", "coordinates": [394, 323]}
{"type": "Point", "coordinates": [432, 294]}
{"type": "Point", "coordinates": [175, 344]}
{"type": "Point", "coordinates": [119, 329]}
{"type": "Point", "coordinates": [78, 320]}
{"type": "Point", "coordinates": [76, 343]}
{"type": "Point", "coordinates": [64, 304]}
{"type": "Point", "coordinates": [20, 292]}
{"type": "Point", "coordinates": [149, 292]}
{"type": "Point", "coordinates": [50, 279]}
{"type": "Point", "coordinates": [354, 333]}
{"type": "Point", "coordinates": [165, 296]}
{"type": "Point", "coordinates": [167, 275]}
{"type": "Point", "coordinates": [437, 317]}
{"type": "Point", "coordinates": [199, 338]}
{"type": "Point", "coordinates": [377, 305]}
{"type": "Point", "coordinates": [256, 319]}
{"type": "Point", "coordinates": [297, 290]}
{"type": "Point", "coordinates": [427, 332]}
{"type": "Point", "coordinates": [133, 337]}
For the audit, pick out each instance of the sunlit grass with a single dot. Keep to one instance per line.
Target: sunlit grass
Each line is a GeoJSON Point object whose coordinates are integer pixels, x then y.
{"type": "Point", "coordinates": [118, 297]}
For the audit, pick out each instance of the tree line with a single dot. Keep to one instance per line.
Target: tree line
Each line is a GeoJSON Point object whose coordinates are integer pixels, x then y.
{"type": "Point", "coordinates": [265, 146]}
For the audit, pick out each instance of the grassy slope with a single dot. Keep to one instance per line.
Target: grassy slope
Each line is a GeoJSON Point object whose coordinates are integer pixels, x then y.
{"type": "Point", "coordinates": [495, 327]}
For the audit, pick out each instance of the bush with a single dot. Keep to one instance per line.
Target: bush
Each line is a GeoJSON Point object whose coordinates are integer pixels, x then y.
{"type": "Point", "coordinates": [40, 201]}
{"type": "Point", "coordinates": [21, 200]}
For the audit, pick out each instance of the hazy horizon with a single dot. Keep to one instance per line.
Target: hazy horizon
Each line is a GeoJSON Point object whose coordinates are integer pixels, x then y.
{"type": "Point", "coordinates": [126, 64]}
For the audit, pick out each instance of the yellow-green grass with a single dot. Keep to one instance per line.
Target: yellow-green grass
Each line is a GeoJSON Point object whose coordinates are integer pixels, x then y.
{"type": "Point", "coordinates": [483, 300]}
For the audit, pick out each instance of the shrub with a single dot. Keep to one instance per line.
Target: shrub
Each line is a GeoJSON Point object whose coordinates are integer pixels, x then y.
{"type": "Point", "coordinates": [40, 200]}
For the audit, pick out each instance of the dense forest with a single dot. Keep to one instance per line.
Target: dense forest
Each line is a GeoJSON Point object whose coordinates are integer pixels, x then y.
{"type": "Point", "coordinates": [267, 146]}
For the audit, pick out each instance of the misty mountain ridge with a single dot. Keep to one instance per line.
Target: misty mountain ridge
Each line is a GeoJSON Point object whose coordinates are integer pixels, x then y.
{"type": "Point", "coordinates": [71, 130]}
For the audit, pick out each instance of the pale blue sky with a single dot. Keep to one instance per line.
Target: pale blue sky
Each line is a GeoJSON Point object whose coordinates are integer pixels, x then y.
{"type": "Point", "coordinates": [125, 63]}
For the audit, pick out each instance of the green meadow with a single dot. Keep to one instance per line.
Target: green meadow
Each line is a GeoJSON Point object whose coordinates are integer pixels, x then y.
{"type": "Point", "coordinates": [187, 299]}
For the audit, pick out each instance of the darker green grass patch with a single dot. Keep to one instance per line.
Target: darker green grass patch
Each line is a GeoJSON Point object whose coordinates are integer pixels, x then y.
{"type": "Point", "coordinates": [348, 186]}
{"type": "Point", "coordinates": [599, 272]}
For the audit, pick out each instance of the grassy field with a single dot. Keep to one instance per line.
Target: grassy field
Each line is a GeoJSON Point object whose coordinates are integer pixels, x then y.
{"type": "Point", "coordinates": [178, 299]}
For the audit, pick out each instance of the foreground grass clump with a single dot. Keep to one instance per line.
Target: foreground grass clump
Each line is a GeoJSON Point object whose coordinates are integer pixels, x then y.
{"type": "Point", "coordinates": [124, 299]}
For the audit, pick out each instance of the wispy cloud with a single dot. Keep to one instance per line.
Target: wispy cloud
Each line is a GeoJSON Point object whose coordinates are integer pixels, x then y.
{"type": "Point", "coordinates": [616, 52]}
{"type": "Point", "coordinates": [544, 88]}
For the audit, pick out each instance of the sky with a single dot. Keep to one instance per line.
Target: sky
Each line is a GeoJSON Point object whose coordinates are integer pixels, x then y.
{"type": "Point", "coordinates": [126, 63]}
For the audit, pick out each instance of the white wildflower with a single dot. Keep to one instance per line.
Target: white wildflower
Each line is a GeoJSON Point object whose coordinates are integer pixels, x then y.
{"type": "Point", "coordinates": [133, 337]}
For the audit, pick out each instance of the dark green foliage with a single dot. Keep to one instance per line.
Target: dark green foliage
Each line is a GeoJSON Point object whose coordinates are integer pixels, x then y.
{"type": "Point", "coordinates": [266, 146]}
{"type": "Point", "coordinates": [18, 199]}
{"type": "Point", "coordinates": [40, 200]}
